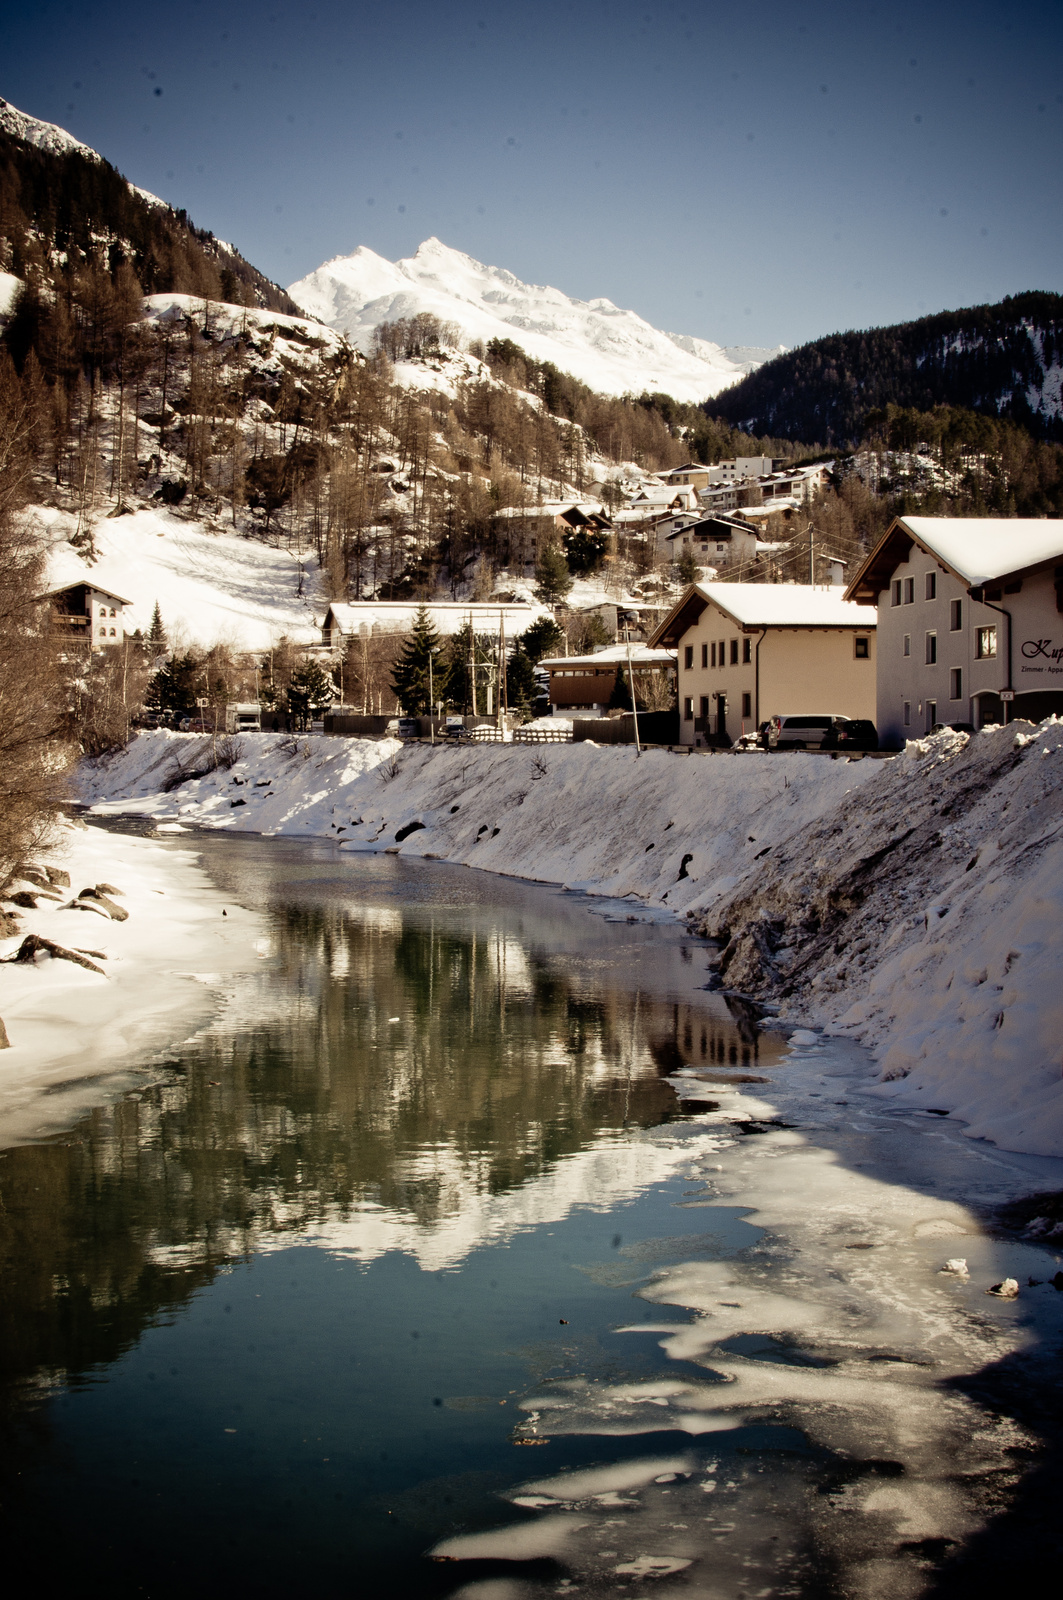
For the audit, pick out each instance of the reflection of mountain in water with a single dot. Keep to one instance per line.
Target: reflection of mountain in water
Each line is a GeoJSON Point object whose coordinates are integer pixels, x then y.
{"type": "Point", "coordinates": [405, 1087]}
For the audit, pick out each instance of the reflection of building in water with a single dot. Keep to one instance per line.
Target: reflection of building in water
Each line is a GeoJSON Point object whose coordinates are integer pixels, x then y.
{"type": "Point", "coordinates": [400, 1079]}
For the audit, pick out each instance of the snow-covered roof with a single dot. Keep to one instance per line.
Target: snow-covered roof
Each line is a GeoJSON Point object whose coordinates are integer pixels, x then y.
{"type": "Point", "coordinates": [788, 605]}
{"type": "Point", "coordinates": [981, 548]}
{"type": "Point", "coordinates": [614, 655]}
{"type": "Point", "coordinates": [765, 605]}
{"type": "Point", "coordinates": [446, 616]}
{"type": "Point", "coordinates": [977, 550]}
{"type": "Point", "coordinates": [87, 583]}
{"type": "Point", "coordinates": [554, 508]}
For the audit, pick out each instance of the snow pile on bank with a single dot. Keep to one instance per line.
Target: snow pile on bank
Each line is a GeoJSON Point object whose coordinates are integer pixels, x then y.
{"type": "Point", "coordinates": [665, 829]}
{"type": "Point", "coordinates": [68, 1023]}
{"type": "Point", "coordinates": [924, 917]}
{"type": "Point", "coordinates": [209, 586]}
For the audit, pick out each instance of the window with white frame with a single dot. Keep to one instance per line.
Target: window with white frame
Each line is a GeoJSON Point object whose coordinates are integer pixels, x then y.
{"type": "Point", "coordinates": [985, 643]}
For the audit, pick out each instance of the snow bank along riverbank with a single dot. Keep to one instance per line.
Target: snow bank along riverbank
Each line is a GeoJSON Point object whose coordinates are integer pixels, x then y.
{"type": "Point", "coordinates": [153, 941]}
{"type": "Point", "coordinates": [913, 904]}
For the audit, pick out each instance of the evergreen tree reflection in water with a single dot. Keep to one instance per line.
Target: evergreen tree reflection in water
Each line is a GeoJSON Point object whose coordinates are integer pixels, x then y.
{"type": "Point", "coordinates": [221, 1351]}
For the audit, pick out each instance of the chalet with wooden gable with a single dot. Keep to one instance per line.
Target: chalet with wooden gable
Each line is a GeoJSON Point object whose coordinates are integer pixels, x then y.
{"type": "Point", "coordinates": [87, 615]}
{"type": "Point", "coordinates": [715, 542]}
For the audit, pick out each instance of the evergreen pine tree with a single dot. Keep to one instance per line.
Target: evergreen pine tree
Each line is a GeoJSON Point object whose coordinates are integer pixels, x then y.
{"type": "Point", "coordinates": [552, 577]}
{"type": "Point", "coordinates": [543, 638]}
{"type": "Point", "coordinates": [687, 568]}
{"type": "Point", "coordinates": [410, 677]}
{"type": "Point", "coordinates": [521, 687]}
{"type": "Point", "coordinates": [157, 633]}
{"type": "Point", "coordinates": [310, 689]}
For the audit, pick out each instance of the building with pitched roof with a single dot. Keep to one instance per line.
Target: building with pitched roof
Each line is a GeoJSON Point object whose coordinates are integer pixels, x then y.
{"type": "Point", "coordinates": [750, 651]}
{"type": "Point", "coordinates": [970, 621]}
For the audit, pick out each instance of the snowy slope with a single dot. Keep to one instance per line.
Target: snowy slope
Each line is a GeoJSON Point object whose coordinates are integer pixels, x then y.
{"type": "Point", "coordinates": [613, 351]}
{"type": "Point", "coordinates": [210, 586]}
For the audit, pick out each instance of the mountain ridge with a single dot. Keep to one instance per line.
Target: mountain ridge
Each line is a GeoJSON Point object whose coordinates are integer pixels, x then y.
{"type": "Point", "coordinates": [63, 205]}
{"type": "Point", "coordinates": [612, 350]}
{"type": "Point", "coordinates": [1003, 359]}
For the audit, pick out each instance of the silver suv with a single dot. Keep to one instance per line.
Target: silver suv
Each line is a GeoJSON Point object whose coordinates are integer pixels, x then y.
{"type": "Point", "coordinates": [805, 732]}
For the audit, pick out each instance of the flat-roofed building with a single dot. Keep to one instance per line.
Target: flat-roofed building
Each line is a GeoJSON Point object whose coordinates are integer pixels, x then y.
{"type": "Point", "coordinates": [585, 684]}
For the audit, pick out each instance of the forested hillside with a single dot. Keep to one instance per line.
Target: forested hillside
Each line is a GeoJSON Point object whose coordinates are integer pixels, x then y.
{"type": "Point", "coordinates": [1000, 360]}
{"type": "Point", "coordinates": [64, 213]}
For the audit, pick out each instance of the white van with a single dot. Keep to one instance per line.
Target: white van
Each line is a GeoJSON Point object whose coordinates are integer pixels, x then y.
{"type": "Point", "coordinates": [243, 718]}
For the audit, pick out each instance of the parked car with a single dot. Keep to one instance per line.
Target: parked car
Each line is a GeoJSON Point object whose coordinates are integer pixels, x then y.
{"type": "Point", "coordinates": [456, 729]}
{"type": "Point", "coordinates": [805, 732]}
{"type": "Point", "coordinates": [956, 727]}
{"type": "Point", "coordinates": [409, 728]}
{"type": "Point", "coordinates": [857, 734]}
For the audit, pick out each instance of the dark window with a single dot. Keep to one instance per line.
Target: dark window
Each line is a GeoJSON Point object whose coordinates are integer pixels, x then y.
{"type": "Point", "coordinates": [714, 655]}
{"type": "Point", "coordinates": [956, 684]}
{"type": "Point", "coordinates": [896, 591]}
{"type": "Point", "coordinates": [861, 649]}
{"type": "Point", "coordinates": [688, 710]}
{"type": "Point", "coordinates": [720, 655]}
{"type": "Point", "coordinates": [704, 655]}
{"type": "Point", "coordinates": [688, 657]}
{"type": "Point", "coordinates": [734, 652]}
{"type": "Point", "coordinates": [704, 705]}
{"type": "Point", "coordinates": [907, 645]}
{"type": "Point", "coordinates": [931, 586]}
{"type": "Point", "coordinates": [931, 649]}
{"type": "Point", "coordinates": [956, 615]}
{"type": "Point", "coordinates": [747, 705]}
{"type": "Point", "coordinates": [931, 715]}
{"type": "Point", "coordinates": [909, 591]}
{"type": "Point", "coordinates": [747, 650]}
{"type": "Point", "coordinates": [907, 713]}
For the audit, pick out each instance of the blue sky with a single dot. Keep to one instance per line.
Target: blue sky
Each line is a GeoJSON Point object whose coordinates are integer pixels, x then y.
{"type": "Point", "coordinates": [751, 176]}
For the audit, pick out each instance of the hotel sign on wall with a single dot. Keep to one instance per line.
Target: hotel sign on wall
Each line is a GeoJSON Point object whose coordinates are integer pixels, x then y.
{"type": "Point", "coordinates": [1046, 660]}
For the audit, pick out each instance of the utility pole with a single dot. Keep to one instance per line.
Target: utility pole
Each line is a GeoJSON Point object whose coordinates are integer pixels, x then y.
{"type": "Point", "coordinates": [811, 554]}
{"type": "Point", "coordinates": [472, 664]}
{"type": "Point", "coordinates": [503, 702]}
{"type": "Point", "coordinates": [631, 682]}
{"type": "Point", "coordinates": [431, 702]}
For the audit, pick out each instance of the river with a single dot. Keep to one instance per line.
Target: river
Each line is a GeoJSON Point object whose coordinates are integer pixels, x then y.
{"type": "Point", "coordinates": [475, 1248]}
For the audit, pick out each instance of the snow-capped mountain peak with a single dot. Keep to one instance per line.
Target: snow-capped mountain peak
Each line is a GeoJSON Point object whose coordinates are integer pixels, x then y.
{"type": "Point", "coordinates": [45, 135]}
{"type": "Point", "coordinates": [612, 350]}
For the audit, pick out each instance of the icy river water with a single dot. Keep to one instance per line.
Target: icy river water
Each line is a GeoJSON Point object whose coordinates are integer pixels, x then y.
{"type": "Point", "coordinates": [475, 1249]}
